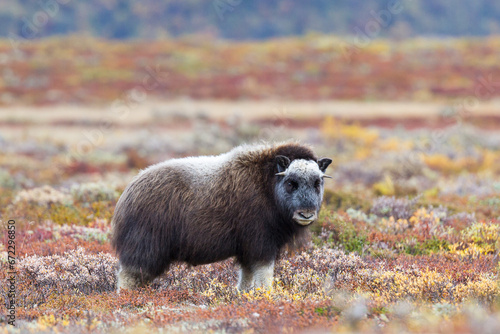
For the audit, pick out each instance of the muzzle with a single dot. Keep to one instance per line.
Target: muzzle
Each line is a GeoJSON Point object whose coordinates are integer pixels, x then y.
{"type": "Point", "coordinates": [305, 217]}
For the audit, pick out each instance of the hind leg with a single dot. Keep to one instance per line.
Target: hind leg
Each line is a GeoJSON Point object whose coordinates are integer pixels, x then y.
{"type": "Point", "coordinates": [132, 278]}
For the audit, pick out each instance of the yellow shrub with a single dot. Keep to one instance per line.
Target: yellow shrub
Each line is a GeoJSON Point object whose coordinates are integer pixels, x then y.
{"type": "Point", "coordinates": [385, 187]}
{"type": "Point", "coordinates": [485, 289]}
{"type": "Point", "coordinates": [336, 129]}
{"type": "Point", "coordinates": [444, 164]}
{"type": "Point", "coordinates": [395, 144]}
{"type": "Point", "coordinates": [425, 285]}
{"type": "Point", "coordinates": [482, 237]}
{"type": "Point", "coordinates": [393, 226]}
{"type": "Point", "coordinates": [470, 251]}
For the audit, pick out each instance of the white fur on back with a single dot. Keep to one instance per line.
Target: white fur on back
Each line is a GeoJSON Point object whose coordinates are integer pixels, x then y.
{"type": "Point", "coordinates": [204, 169]}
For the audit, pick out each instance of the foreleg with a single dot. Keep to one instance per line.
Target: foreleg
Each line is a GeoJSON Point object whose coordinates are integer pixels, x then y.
{"type": "Point", "coordinates": [258, 275]}
{"type": "Point", "coordinates": [131, 278]}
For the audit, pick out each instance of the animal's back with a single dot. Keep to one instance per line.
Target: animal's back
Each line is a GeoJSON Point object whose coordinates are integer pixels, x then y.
{"type": "Point", "coordinates": [184, 202]}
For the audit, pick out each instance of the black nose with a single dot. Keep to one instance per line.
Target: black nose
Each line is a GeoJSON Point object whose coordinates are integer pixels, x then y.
{"type": "Point", "coordinates": [306, 214]}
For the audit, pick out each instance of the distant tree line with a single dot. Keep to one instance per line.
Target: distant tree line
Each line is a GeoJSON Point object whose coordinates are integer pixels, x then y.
{"type": "Point", "coordinates": [247, 19]}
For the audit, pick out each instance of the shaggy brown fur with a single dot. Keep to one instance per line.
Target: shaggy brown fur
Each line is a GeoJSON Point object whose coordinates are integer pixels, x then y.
{"type": "Point", "coordinates": [167, 214]}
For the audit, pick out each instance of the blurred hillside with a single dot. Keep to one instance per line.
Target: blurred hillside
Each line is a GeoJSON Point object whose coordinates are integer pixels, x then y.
{"type": "Point", "coordinates": [315, 67]}
{"type": "Point", "coordinates": [238, 19]}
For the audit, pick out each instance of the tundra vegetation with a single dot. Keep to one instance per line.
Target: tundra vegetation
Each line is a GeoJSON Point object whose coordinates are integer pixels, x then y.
{"type": "Point", "coordinates": [408, 238]}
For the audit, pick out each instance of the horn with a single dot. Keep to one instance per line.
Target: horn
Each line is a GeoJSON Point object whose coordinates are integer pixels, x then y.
{"type": "Point", "coordinates": [327, 176]}
{"type": "Point", "coordinates": [281, 174]}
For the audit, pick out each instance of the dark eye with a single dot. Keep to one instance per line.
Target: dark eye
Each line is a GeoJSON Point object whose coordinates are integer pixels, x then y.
{"type": "Point", "coordinates": [291, 185]}
{"type": "Point", "coordinates": [317, 184]}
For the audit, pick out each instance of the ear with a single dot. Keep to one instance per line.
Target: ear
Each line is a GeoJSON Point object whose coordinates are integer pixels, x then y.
{"type": "Point", "coordinates": [323, 164]}
{"type": "Point", "coordinates": [282, 163]}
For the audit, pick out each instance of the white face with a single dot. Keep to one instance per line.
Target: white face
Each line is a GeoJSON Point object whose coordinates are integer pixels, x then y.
{"type": "Point", "coordinates": [304, 169]}
{"type": "Point", "coordinates": [300, 191]}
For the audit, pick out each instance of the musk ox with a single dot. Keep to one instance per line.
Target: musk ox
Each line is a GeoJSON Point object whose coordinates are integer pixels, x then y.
{"type": "Point", "coordinates": [247, 203]}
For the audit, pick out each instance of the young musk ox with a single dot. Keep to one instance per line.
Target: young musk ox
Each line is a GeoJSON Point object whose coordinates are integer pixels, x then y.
{"type": "Point", "coordinates": [247, 203]}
